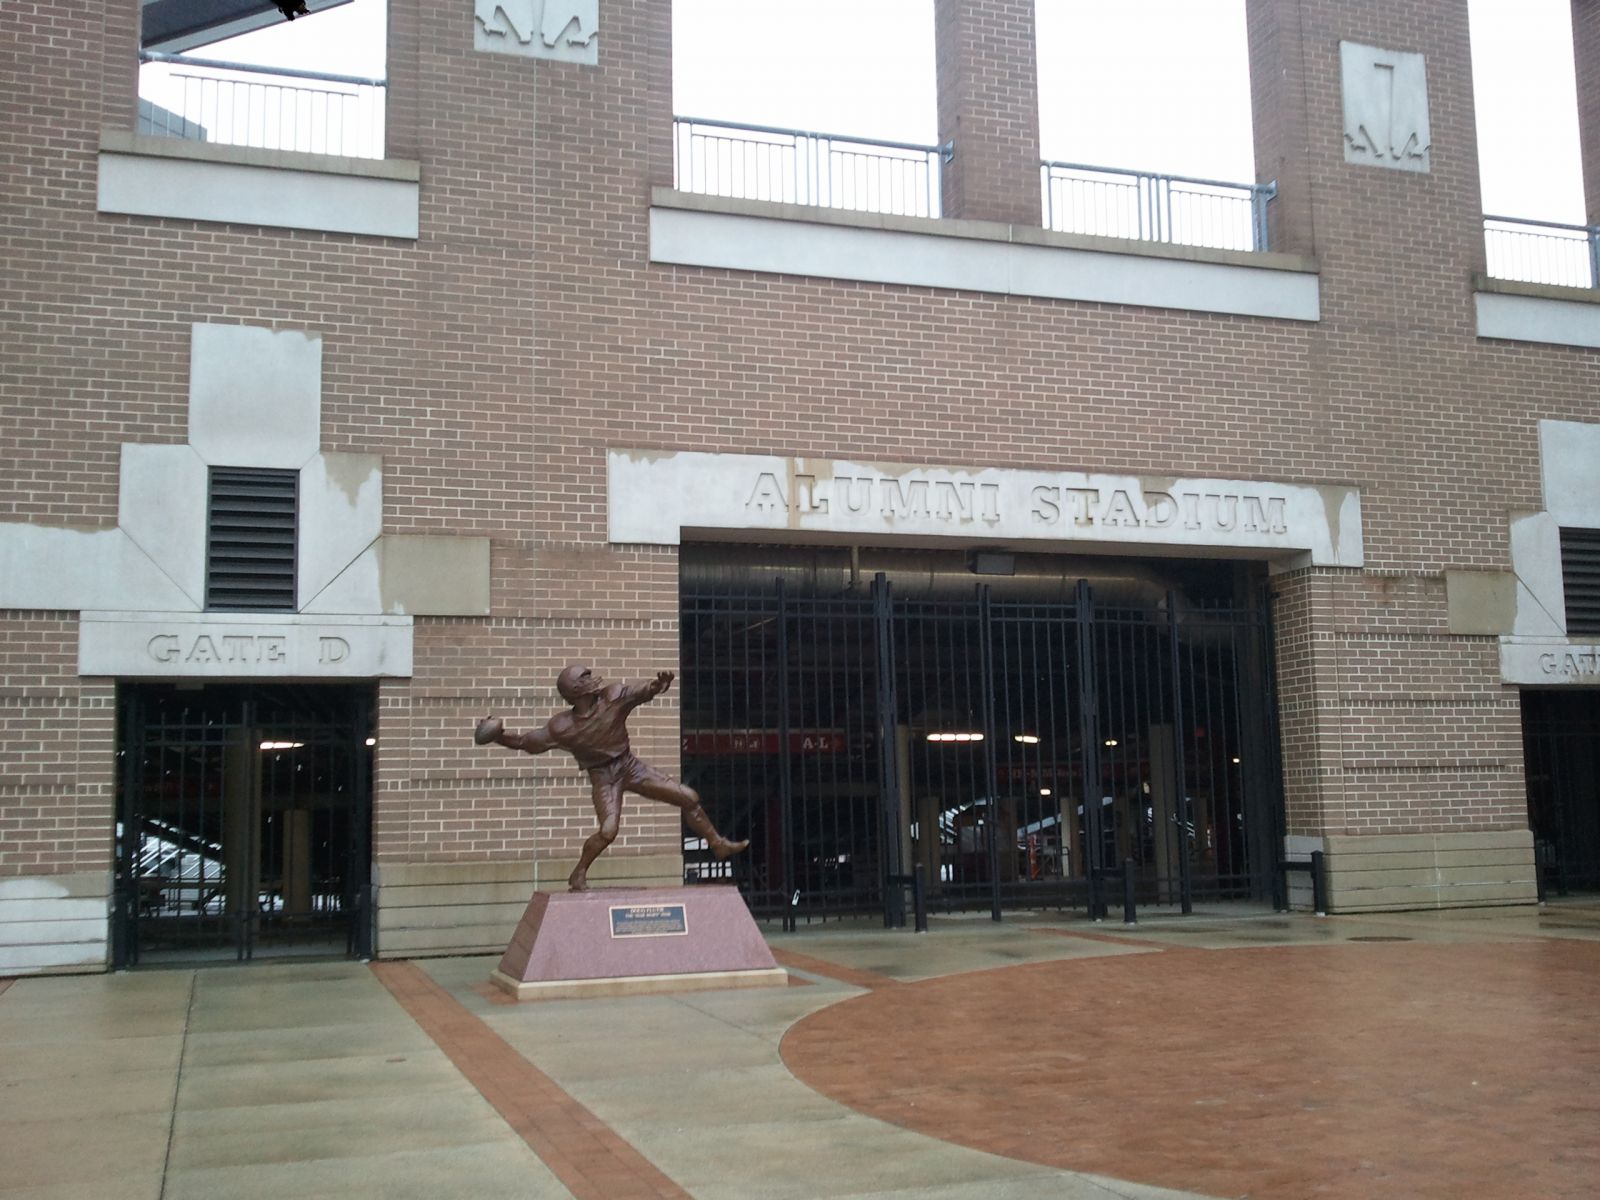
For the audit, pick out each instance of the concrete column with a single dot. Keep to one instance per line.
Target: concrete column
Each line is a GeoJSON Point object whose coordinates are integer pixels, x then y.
{"type": "Point", "coordinates": [927, 848]}
{"type": "Point", "coordinates": [1006, 836]}
{"type": "Point", "coordinates": [296, 861]}
{"type": "Point", "coordinates": [989, 109]}
{"type": "Point", "coordinates": [1586, 58]}
{"type": "Point", "coordinates": [1071, 850]}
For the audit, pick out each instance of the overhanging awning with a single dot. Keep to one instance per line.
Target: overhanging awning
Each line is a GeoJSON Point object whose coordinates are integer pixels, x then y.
{"type": "Point", "coordinates": [177, 25]}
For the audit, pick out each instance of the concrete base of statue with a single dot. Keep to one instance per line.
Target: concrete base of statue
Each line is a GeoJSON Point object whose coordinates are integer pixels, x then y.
{"type": "Point", "coordinates": [628, 941]}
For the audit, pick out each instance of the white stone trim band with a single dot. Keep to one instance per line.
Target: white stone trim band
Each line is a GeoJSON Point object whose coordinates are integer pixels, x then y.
{"type": "Point", "coordinates": [1538, 319]}
{"type": "Point", "coordinates": [829, 251]}
{"type": "Point", "coordinates": [159, 186]}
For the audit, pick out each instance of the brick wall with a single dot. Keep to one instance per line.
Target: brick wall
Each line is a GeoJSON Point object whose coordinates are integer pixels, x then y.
{"type": "Point", "coordinates": [988, 99]}
{"type": "Point", "coordinates": [1391, 724]}
{"type": "Point", "coordinates": [1279, 121]}
{"type": "Point", "coordinates": [494, 361]}
{"type": "Point", "coordinates": [56, 741]}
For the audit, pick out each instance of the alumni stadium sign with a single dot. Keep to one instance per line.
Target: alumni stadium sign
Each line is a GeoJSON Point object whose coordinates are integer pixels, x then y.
{"type": "Point", "coordinates": [655, 496]}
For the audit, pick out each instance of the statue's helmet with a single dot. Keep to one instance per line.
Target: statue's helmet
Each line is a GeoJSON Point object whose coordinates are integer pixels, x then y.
{"type": "Point", "coordinates": [576, 681]}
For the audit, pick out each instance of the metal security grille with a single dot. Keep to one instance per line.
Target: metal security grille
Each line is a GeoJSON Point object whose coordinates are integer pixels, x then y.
{"type": "Point", "coordinates": [1013, 753]}
{"type": "Point", "coordinates": [1580, 570]}
{"type": "Point", "coordinates": [780, 736]}
{"type": "Point", "coordinates": [250, 539]}
{"type": "Point", "coordinates": [1561, 752]}
{"type": "Point", "coordinates": [243, 822]}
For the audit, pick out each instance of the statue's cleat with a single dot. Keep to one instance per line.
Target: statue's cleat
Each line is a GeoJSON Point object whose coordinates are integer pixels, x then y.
{"type": "Point", "coordinates": [723, 848]}
{"type": "Point", "coordinates": [577, 883]}
{"type": "Point", "coordinates": [488, 729]}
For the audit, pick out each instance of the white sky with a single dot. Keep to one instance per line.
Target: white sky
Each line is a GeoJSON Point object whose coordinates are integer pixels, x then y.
{"type": "Point", "coordinates": [1149, 84]}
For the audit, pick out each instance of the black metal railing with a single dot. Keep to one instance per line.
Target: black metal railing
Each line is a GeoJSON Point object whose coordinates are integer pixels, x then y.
{"type": "Point", "coordinates": [795, 166]}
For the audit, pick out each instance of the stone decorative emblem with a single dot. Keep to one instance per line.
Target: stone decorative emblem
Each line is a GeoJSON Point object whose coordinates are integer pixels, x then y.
{"type": "Point", "coordinates": [1385, 108]}
{"type": "Point", "coordinates": [562, 30]}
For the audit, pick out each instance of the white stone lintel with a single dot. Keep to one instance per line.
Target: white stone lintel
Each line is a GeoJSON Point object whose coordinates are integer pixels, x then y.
{"type": "Point", "coordinates": [656, 495]}
{"type": "Point", "coordinates": [1540, 319]}
{"type": "Point", "coordinates": [243, 646]}
{"type": "Point", "coordinates": [158, 185]}
{"type": "Point", "coordinates": [1549, 662]}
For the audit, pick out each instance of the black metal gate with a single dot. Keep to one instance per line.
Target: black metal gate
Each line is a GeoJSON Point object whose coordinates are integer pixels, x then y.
{"type": "Point", "coordinates": [243, 822]}
{"type": "Point", "coordinates": [1561, 755]}
{"type": "Point", "coordinates": [1014, 753]}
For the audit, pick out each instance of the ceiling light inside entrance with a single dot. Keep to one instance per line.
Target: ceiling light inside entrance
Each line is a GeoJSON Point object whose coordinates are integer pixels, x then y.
{"type": "Point", "coordinates": [1027, 739]}
{"type": "Point", "coordinates": [955, 737]}
{"type": "Point", "coordinates": [281, 745]}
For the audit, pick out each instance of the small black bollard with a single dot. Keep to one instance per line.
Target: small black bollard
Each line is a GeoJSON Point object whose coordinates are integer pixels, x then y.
{"type": "Point", "coordinates": [1319, 883]}
{"type": "Point", "coordinates": [1129, 917]}
{"type": "Point", "coordinates": [895, 900]}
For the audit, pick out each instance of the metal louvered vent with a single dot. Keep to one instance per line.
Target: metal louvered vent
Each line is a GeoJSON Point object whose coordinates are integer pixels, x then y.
{"type": "Point", "coordinates": [1580, 570]}
{"type": "Point", "coordinates": [250, 537]}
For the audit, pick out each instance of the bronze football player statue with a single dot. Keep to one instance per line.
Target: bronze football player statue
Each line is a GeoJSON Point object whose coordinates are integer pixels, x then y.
{"type": "Point", "coordinates": [595, 732]}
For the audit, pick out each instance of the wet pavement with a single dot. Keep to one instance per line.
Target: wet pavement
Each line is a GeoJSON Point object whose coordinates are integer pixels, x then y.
{"type": "Point", "coordinates": [1231, 1053]}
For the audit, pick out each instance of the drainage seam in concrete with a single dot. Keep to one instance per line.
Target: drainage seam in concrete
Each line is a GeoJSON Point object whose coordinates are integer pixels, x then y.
{"type": "Point", "coordinates": [177, 1083]}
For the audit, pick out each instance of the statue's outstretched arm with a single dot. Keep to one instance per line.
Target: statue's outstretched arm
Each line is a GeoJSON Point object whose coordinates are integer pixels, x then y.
{"type": "Point", "coordinates": [634, 694]}
{"type": "Point", "coordinates": [534, 741]}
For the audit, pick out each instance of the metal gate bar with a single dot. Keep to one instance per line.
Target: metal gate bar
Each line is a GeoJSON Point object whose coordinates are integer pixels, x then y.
{"type": "Point", "coordinates": [890, 758]}
{"type": "Point", "coordinates": [1094, 864]}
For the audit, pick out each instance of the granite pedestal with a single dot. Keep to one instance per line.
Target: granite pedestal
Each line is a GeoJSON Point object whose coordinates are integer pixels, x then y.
{"type": "Point", "coordinates": [620, 941]}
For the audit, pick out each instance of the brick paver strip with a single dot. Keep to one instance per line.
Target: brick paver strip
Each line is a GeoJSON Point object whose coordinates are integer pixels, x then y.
{"type": "Point", "coordinates": [854, 976]}
{"type": "Point", "coordinates": [1344, 1072]}
{"type": "Point", "coordinates": [585, 1154]}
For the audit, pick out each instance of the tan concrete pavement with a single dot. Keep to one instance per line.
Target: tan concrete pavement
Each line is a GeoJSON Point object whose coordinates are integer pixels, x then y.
{"type": "Point", "coordinates": [310, 1080]}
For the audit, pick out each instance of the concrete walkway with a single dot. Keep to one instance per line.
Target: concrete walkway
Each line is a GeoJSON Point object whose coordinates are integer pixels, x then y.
{"type": "Point", "coordinates": [1231, 1054]}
